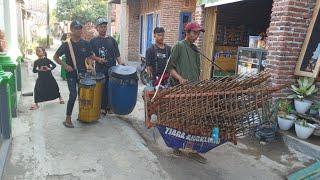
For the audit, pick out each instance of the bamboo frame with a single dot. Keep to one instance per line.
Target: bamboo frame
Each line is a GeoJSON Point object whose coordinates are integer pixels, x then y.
{"type": "Point", "coordinates": [315, 71]}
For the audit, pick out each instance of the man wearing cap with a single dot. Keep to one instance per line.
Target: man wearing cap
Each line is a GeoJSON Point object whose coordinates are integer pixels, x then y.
{"type": "Point", "coordinates": [184, 65]}
{"type": "Point", "coordinates": [82, 51]}
{"type": "Point", "coordinates": [106, 55]}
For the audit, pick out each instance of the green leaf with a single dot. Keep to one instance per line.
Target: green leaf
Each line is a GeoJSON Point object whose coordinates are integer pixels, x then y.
{"type": "Point", "coordinates": [310, 90]}
{"type": "Point", "coordinates": [292, 96]}
{"type": "Point", "coordinates": [300, 82]}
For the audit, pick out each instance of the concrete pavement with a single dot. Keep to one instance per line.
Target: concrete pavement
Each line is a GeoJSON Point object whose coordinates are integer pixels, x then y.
{"type": "Point", "coordinates": [42, 148]}
{"type": "Point", "coordinates": [112, 149]}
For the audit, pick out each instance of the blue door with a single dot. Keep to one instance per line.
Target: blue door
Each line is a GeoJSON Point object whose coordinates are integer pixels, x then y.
{"type": "Point", "coordinates": [149, 29]}
{"type": "Point", "coordinates": [185, 17]}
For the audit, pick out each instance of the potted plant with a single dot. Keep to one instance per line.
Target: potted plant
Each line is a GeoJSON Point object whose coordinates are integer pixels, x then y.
{"type": "Point", "coordinates": [303, 129]}
{"type": "Point", "coordinates": [316, 107]}
{"type": "Point", "coordinates": [285, 118]}
{"type": "Point", "coordinates": [306, 89]}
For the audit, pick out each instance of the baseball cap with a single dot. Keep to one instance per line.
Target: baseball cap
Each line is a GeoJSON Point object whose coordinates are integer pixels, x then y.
{"type": "Point", "coordinates": [193, 26]}
{"type": "Point", "coordinates": [75, 24]}
{"type": "Point", "coordinates": [101, 21]}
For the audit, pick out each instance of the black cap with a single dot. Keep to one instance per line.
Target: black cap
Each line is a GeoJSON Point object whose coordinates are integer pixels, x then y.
{"type": "Point", "coordinates": [101, 21]}
{"type": "Point", "coordinates": [75, 24]}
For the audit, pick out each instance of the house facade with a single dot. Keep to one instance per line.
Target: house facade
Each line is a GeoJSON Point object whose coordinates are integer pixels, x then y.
{"type": "Point", "coordinates": [140, 17]}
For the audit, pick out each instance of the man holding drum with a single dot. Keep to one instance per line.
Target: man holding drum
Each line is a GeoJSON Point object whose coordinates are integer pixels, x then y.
{"type": "Point", "coordinates": [106, 55]}
{"type": "Point", "coordinates": [76, 51]}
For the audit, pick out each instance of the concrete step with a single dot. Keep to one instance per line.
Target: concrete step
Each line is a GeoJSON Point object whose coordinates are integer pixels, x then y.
{"type": "Point", "coordinates": [309, 147]}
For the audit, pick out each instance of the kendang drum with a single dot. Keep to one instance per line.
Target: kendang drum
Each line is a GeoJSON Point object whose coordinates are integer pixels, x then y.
{"type": "Point", "coordinates": [89, 98]}
{"type": "Point", "coordinates": [123, 89]}
{"type": "Point", "coordinates": [100, 81]}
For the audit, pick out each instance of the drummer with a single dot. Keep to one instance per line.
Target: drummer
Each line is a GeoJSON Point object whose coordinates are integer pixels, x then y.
{"type": "Point", "coordinates": [106, 55]}
{"type": "Point", "coordinates": [82, 52]}
{"type": "Point", "coordinates": [184, 65]}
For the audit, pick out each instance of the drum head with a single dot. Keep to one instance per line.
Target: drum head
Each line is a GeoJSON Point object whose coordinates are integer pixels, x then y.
{"type": "Point", "coordinates": [121, 71]}
{"type": "Point", "coordinates": [87, 81]}
{"type": "Point", "coordinates": [99, 76]}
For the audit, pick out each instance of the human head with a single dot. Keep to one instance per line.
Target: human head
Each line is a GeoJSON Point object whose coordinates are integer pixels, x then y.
{"type": "Point", "coordinates": [193, 30]}
{"type": "Point", "coordinates": [41, 52]}
{"type": "Point", "coordinates": [158, 34]}
{"type": "Point", "coordinates": [76, 28]}
{"type": "Point", "coordinates": [102, 25]}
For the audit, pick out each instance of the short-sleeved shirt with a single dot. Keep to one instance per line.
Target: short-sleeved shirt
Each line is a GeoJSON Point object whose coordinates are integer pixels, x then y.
{"type": "Point", "coordinates": [107, 48]}
{"type": "Point", "coordinates": [82, 50]}
{"type": "Point", "coordinates": [185, 61]}
{"type": "Point", "coordinates": [157, 58]}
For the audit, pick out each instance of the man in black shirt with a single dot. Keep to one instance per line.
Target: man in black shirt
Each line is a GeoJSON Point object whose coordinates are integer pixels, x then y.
{"type": "Point", "coordinates": [157, 55]}
{"type": "Point", "coordinates": [82, 51]}
{"type": "Point", "coordinates": [106, 55]}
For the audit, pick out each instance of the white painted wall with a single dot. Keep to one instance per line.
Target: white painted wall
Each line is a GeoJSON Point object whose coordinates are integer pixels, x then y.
{"type": "Point", "coordinates": [1, 15]}
{"type": "Point", "coordinates": [10, 27]}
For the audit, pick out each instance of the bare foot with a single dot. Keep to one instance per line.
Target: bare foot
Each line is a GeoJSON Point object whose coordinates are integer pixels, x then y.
{"type": "Point", "coordinates": [34, 107]}
{"type": "Point", "coordinates": [61, 101]}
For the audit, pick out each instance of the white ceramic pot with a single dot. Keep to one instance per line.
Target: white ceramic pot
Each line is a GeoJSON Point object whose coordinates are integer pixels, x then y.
{"type": "Point", "coordinates": [316, 131]}
{"type": "Point", "coordinates": [304, 132]}
{"type": "Point", "coordinates": [302, 106]}
{"type": "Point", "coordinates": [286, 123]}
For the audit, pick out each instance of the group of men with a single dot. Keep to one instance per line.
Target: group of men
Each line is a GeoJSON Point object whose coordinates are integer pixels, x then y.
{"type": "Point", "coordinates": [181, 63]}
{"type": "Point", "coordinates": [183, 60]}
{"type": "Point", "coordinates": [102, 49]}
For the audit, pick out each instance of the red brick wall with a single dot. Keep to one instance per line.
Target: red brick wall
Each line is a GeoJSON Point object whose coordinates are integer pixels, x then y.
{"type": "Point", "coordinates": [169, 12]}
{"type": "Point", "coordinates": [89, 31]}
{"type": "Point", "coordinates": [289, 22]}
{"type": "Point", "coordinates": [199, 18]}
{"type": "Point", "coordinates": [133, 30]}
{"type": "Point", "coordinates": [170, 16]}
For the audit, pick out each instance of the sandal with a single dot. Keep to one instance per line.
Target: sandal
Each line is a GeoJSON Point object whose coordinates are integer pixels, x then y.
{"type": "Point", "coordinates": [61, 101]}
{"type": "Point", "coordinates": [197, 157]}
{"type": "Point", "coordinates": [67, 125]}
{"type": "Point", "coordinates": [103, 112]}
{"type": "Point", "coordinates": [34, 107]}
{"type": "Point", "coordinates": [108, 111]}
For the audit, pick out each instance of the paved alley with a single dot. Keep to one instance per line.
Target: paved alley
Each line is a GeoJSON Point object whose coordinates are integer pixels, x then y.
{"type": "Point", "coordinates": [120, 147]}
{"type": "Point", "coordinates": [42, 148]}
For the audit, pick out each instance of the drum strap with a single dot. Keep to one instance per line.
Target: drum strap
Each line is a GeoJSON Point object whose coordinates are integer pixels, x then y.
{"type": "Point", "coordinates": [72, 55]}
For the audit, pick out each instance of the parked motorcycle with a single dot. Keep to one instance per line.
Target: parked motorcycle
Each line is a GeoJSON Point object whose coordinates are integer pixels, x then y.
{"type": "Point", "coordinates": [142, 69]}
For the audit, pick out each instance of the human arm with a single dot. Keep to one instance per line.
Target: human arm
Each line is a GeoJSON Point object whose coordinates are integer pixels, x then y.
{"type": "Point", "coordinates": [177, 76]}
{"type": "Point", "coordinates": [117, 53]}
{"type": "Point", "coordinates": [149, 60]}
{"type": "Point", "coordinates": [57, 59]}
{"type": "Point", "coordinates": [173, 63]}
{"type": "Point", "coordinates": [35, 67]}
{"type": "Point", "coordinates": [52, 65]}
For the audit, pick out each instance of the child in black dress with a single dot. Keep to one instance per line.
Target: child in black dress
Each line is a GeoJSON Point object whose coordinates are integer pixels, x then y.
{"type": "Point", "coordinates": [46, 88]}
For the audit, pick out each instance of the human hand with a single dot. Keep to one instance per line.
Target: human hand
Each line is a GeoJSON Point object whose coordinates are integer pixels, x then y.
{"type": "Point", "coordinates": [46, 68]}
{"type": "Point", "coordinates": [68, 68]}
{"type": "Point", "coordinates": [149, 75]}
{"type": "Point", "coordinates": [182, 80]}
{"type": "Point", "coordinates": [102, 61]}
